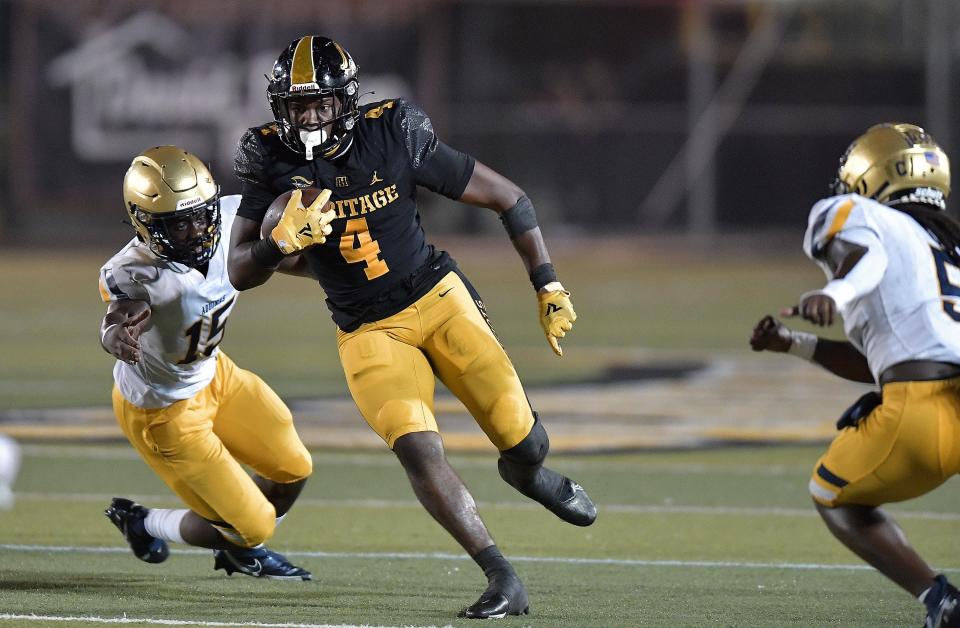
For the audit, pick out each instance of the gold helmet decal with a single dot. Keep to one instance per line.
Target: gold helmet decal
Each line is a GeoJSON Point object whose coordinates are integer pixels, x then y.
{"type": "Point", "coordinates": [303, 73]}
{"type": "Point", "coordinates": [165, 188]}
{"type": "Point", "coordinates": [895, 163]}
{"type": "Point", "coordinates": [303, 69]}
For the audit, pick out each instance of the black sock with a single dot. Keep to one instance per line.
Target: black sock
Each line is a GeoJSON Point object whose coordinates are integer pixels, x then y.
{"type": "Point", "coordinates": [492, 562]}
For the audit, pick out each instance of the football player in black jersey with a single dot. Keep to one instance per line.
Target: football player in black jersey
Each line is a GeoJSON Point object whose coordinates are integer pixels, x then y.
{"type": "Point", "coordinates": [405, 313]}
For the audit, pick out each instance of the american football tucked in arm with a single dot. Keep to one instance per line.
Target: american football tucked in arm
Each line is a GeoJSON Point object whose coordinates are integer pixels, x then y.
{"type": "Point", "coordinates": [272, 217]}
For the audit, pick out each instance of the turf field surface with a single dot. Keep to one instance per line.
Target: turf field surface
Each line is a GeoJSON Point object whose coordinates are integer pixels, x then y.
{"type": "Point", "coordinates": [630, 295]}
{"type": "Point", "coordinates": [722, 537]}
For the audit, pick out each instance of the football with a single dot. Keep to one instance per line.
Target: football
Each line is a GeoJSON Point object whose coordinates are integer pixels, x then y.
{"type": "Point", "coordinates": [272, 217]}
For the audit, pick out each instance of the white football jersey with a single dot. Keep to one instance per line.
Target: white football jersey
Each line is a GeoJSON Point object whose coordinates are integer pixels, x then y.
{"type": "Point", "coordinates": [188, 313]}
{"type": "Point", "coordinates": [914, 312]}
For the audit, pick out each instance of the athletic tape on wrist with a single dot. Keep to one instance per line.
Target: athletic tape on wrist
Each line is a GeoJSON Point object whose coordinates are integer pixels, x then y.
{"type": "Point", "coordinates": [520, 218]}
{"type": "Point", "coordinates": [266, 253]}
{"type": "Point", "coordinates": [802, 345]}
{"type": "Point", "coordinates": [542, 275]}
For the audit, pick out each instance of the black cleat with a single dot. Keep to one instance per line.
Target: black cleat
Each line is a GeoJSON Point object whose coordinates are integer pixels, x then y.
{"type": "Point", "coordinates": [504, 596]}
{"type": "Point", "coordinates": [575, 506]}
{"type": "Point", "coordinates": [943, 605]}
{"type": "Point", "coordinates": [128, 516]}
{"type": "Point", "coordinates": [259, 563]}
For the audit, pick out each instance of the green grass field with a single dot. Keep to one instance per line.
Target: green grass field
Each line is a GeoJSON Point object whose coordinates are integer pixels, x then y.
{"type": "Point", "coordinates": [719, 537]}
{"type": "Point", "coordinates": [629, 295]}
{"type": "Point", "coordinates": [723, 537]}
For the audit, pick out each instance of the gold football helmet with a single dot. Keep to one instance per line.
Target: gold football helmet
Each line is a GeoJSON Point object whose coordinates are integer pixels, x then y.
{"type": "Point", "coordinates": [895, 163]}
{"type": "Point", "coordinates": [174, 204]}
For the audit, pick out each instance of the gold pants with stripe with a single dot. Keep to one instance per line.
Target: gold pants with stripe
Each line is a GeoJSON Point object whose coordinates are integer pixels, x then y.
{"type": "Point", "coordinates": [906, 447]}
{"type": "Point", "coordinates": [197, 447]}
{"type": "Point", "coordinates": [390, 366]}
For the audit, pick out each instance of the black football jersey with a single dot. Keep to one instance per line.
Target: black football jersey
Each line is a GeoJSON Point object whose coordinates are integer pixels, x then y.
{"type": "Point", "coordinates": [377, 260]}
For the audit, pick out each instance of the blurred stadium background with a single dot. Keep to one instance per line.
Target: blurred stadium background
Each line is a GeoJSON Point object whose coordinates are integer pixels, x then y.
{"type": "Point", "coordinates": [672, 149]}
{"type": "Point", "coordinates": [617, 116]}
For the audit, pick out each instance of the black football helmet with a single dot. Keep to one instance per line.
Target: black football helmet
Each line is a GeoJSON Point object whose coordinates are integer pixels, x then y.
{"type": "Point", "coordinates": [314, 67]}
{"type": "Point", "coordinates": [169, 192]}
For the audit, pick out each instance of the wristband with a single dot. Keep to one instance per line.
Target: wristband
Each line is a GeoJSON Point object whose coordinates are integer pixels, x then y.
{"type": "Point", "coordinates": [542, 275]}
{"type": "Point", "coordinates": [266, 253]}
{"type": "Point", "coordinates": [802, 345]}
{"type": "Point", "coordinates": [520, 218]}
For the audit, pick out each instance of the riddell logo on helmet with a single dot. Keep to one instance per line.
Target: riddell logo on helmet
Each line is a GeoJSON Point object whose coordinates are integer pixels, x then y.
{"type": "Point", "coordinates": [189, 202]}
{"type": "Point", "coordinates": [927, 195]}
{"type": "Point", "coordinates": [304, 87]}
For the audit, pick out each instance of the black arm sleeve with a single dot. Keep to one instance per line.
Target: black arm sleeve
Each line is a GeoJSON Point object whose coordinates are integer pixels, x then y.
{"type": "Point", "coordinates": [436, 166]}
{"type": "Point", "coordinates": [248, 164]}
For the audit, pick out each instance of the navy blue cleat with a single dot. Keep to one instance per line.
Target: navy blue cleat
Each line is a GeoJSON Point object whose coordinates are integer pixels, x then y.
{"type": "Point", "coordinates": [504, 596]}
{"type": "Point", "coordinates": [258, 562]}
{"type": "Point", "coordinates": [574, 505]}
{"type": "Point", "coordinates": [128, 516]}
{"type": "Point", "coordinates": [943, 605]}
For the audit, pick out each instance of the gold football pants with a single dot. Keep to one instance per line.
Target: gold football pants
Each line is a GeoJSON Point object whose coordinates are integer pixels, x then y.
{"type": "Point", "coordinates": [197, 446]}
{"type": "Point", "coordinates": [390, 367]}
{"type": "Point", "coordinates": [909, 445]}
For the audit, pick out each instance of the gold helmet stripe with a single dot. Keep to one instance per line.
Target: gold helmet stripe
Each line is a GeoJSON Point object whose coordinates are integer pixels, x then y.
{"type": "Point", "coordinates": [843, 212]}
{"type": "Point", "coordinates": [345, 64]}
{"type": "Point", "coordinates": [302, 70]}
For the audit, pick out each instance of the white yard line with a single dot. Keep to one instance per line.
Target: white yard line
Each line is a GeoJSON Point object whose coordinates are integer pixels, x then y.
{"type": "Point", "coordinates": [628, 562]}
{"type": "Point", "coordinates": [638, 509]}
{"type": "Point", "coordinates": [169, 622]}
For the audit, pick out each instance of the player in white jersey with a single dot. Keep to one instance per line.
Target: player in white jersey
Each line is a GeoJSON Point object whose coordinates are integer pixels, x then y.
{"type": "Point", "coordinates": [891, 255]}
{"type": "Point", "coordinates": [191, 413]}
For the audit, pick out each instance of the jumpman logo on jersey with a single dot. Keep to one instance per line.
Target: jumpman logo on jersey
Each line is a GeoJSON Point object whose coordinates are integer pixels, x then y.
{"type": "Point", "coordinates": [375, 178]}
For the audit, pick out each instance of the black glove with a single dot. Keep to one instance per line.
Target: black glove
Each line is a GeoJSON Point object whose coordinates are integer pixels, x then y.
{"type": "Point", "coordinates": [860, 409]}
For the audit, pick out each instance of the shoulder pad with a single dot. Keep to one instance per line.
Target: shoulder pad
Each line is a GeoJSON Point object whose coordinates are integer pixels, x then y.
{"type": "Point", "coordinates": [417, 132]}
{"type": "Point", "coordinates": [127, 275]}
{"type": "Point", "coordinates": [268, 129]}
{"type": "Point", "coordinates": [407, 122]}
{"type": "Point", "coordinates": [830, 217]}
{"type": "Point", "coordinates": [376, 110]}
{"type": "Point", "coordinates": [252, 151]}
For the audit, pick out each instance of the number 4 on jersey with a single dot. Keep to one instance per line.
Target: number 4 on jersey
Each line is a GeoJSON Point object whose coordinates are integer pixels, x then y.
{"type": "Point", "coordinates": [356, 246]}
